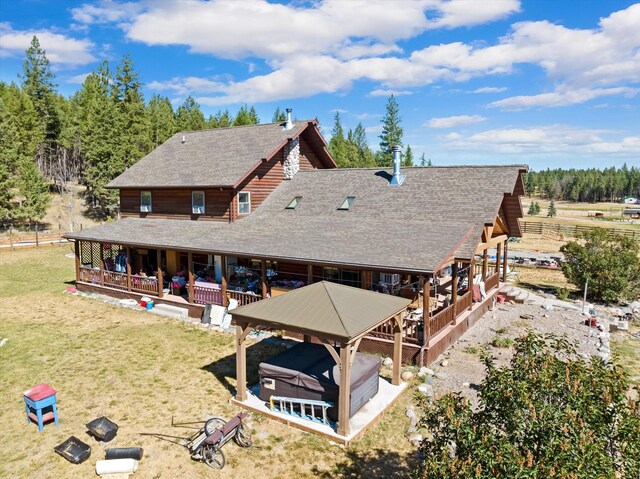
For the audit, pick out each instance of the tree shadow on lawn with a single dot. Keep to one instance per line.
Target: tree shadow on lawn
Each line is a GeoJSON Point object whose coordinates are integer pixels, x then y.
{"type": "Point", "coordinates": [225, 368]}
{"type": "Point", "coordinates": [372, 463]}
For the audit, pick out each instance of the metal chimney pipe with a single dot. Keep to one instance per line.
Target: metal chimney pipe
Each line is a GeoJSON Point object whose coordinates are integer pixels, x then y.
{"type": "Point", "coordinates": [397, 178]}
{"type": "Point", "coordinates": [289, 124]}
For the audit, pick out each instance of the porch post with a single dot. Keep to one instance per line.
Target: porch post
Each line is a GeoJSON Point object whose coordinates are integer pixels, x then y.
{"type": "Point", "coordinates": [397, 348]}
{"type": "Point", "coordinates": [485, 263]}
{"type": "Point", "coordinates": [223, 280]}
{"type": "Point", "coordinates": [309, 274]}
{"type": "Point", "coordinates": [472, 273]}
{"type": "Point", "coordinates": [241, 361]}
{"type": "Point", "coordinates": [128, 269]}
{"type": "Point", "coordinates": [505, 263]}
{"type": "Point", "coordinates": [344, 395]}
{"type": "Point", "coordinates": [426, 310]}
{"type": "Point", "coordinates": [191, 276]}
{"type": "Point", "coordinates": [101, 265]}
{"type": "Point", "coordinates": [159, 272]}
{"type": "Point", "coordinates": [498, 254]}
{"type": "Point", "coordinates": [76, 248]}
{"type": "Point", "coordinates": [454, 288]}
{"type": "Point", "coordinates": [263, 267]}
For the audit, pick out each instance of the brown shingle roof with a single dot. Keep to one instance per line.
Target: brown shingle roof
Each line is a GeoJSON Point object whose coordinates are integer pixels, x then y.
{"type": "Point", "coordinates": [436, 212]}
{"type": "Point", "coordinates": [218, 157]}
{"type": "Point", "coordinates": [325, 310]}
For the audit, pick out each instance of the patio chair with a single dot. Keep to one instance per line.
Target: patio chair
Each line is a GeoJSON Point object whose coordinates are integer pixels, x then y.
{"type": "Point", "coordinates": [512, 272]}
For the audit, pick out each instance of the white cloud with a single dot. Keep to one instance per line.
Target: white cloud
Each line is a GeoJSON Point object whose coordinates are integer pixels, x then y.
{"type": "Point", "coordinates": [78, 79]}
{"type": "Point", "coordinates": [105, 11]}
{"type": "Point", "coordinates": [60, 49]}
{"type": "Point", "coordinates": [490, 89]}
{"type": "Point", "coordinates": [373, 129]}
{"type": "Point", "coordinates": [367, 116]}
{"type": "Point", "coordinates": [388, 92]}
{"type": "Point", "coordinates": [547, 139]}
{"type": "Point", "coordinates": [454, 121]}
{"type": "Point", "coordinates": [561, 97]}
{"type": "Point", "coordinates": [324, 47]}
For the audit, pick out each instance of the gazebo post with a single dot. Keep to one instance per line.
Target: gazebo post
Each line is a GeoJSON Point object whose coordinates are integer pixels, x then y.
{"type": "Point", "coordinates": [397, 349]}
{"type": "Point", "coordinates": [344, 398]}
{"type": "Point", "coordinates": [242, 330]}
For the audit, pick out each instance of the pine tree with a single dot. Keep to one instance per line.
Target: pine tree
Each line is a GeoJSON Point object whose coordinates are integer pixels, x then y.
{"type": "Point", "coordinates": [34, 190]}
{"type": "Point", "coordinates": [338, 144]}
{"type": "Point", "coordinates": [407, 159]}
{"type": "Point", "coordinates": [100, 135]}
{"type": "Point", "coordinates": [38, 83]}
{"type": "Point", "coordinates": [532, 209]}
{"type": "Point", "coordinates": [9, 159]}
{"type": "Point", "coordinates": [222, 119]}
{"type": "Point", "coordinates": [551, 211]}
{"type": "Point", "coordinates": [246, 116]}
{"type": "Point", "coordinates": [279, 116]}
{"type": "Point", "coordinates": [365, 157]}
{"type": "Point", "coordinates": [162, 123]}
{"type": "Point", "coordinates": [391, 132]}
{"type": "Point", "coordinates": [133, 121]}
{"type": "Point", "coordinates": [189, 117]}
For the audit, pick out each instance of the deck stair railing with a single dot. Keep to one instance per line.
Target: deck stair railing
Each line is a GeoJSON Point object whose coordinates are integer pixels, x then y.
{"type": "Point", "coordinates": [306, 408]}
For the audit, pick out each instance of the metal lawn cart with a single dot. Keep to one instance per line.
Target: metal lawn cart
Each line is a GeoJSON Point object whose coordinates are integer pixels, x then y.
{"type": "Point", "coordinates": [206, 444]}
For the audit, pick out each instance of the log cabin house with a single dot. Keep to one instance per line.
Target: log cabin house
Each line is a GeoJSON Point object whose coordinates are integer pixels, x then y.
{"type": "Point", "coordinates": [235, 215]}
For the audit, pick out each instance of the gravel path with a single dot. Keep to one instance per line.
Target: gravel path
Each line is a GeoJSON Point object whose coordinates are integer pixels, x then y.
{"type": "Point", "coordinates": [460, 368]}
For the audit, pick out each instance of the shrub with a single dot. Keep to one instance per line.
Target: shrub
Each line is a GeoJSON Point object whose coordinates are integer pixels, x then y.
{"type": "Point", "coordinates": [562, 293]}
{"type": "Point", "coordinates": [548, 414]}
{"type": "Point", "coordinates": [609, 261]}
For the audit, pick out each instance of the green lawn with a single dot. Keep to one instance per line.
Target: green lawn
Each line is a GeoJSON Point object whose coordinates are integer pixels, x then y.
{"type": "Point", "coordinates": [139, 370]}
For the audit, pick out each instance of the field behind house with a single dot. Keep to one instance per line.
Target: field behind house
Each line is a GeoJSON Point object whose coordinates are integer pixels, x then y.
{"type": "Point", "coordinates": [140, 370]}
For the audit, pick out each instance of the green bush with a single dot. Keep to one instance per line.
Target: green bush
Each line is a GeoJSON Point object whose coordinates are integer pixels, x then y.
{"type": "Point", "coordinates": [548, 414]}
{"type": "Point", "coordinates": [608, 261]}
{"type": "Point", "coordinates": [562, 293]}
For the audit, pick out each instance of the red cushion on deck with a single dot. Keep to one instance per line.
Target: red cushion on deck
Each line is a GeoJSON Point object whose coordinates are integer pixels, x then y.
{"type": "Point", "coordinates": [41, 391]}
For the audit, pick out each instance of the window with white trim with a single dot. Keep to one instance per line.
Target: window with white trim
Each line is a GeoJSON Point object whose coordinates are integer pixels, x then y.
{"type": "Point", "coordinates": [294, 203]}
{"type": "Point", "coordinates": [197, 202]}
{"type": "Point", "coordinates": [145, 201]}
{"type": "Point", "coordinates": [244, 203]}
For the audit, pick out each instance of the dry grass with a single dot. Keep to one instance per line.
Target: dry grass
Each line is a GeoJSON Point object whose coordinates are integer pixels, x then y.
{"type": "Point", "coordinates": [626, 350]}
{"type": "Point", "coordinates": [543, 278]}
{"type": "Point", "coordinates": [140, 370]}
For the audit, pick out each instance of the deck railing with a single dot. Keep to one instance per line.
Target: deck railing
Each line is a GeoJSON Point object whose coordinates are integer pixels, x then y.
{"type": "Point", "coordinates": [492, 282]}
{"type": "Point", "coordinates": [89, 275]}
{"type": "Point", "coordinates": [243, 298]}
{"type": "Point", "coordinates": [144, 284]}
{"type": "Point", "coordinates": [441, 319]}
{"type": "Point", "coordinates": [463, 303]}
{"type": "Point", "coordinates": [206, 295]}
{"type": "Point", "coordinates": [115, 280]}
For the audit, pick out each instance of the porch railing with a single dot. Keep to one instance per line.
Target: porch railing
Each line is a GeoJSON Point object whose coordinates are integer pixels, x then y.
{"type": "Point", "coordinates": [115, 280]}
{"type": "Point", "coordinates": [243, 298]}
{"type": "Point", "coordinates": [144, 284]}
{"type": "Point", "coordinates": [89, 274]}
{"type": "Point", "coordinates": [463, 303]}
{"type": "Point", "coordinates": [441, 319]}
{"type": "Point", "coordinates": [206, 295]}
{"type": "Point", "coordinates": [492, 282]}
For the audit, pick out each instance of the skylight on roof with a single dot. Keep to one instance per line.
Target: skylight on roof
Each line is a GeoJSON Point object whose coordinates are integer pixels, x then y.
{"type": "Point", "coordinates": [294, 203]}
{"type": "Point", "coordinates": [346, 204]}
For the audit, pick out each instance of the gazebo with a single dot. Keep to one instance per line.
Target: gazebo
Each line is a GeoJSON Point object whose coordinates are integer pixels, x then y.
{"type": "Point", "coordinates": [337, 315]}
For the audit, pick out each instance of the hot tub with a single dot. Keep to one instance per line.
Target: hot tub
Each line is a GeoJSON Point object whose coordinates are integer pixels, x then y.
{"type": "Point", "coordinates": [308, 371]}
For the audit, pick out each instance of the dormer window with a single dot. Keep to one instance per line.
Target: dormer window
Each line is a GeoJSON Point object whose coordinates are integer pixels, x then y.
{"type": "Point", "coordinates": [294, 203]}
{"type": "Point", "coordinates": [145, 201]}
{"type": "Point", "coordinates": [197, 202]}
{"type": "Point", "coordinates": [244, 203]}
{"type": "Point", "coordinates": [346, 204]}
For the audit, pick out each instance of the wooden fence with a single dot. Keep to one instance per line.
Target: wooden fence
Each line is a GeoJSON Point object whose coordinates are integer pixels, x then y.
{"type": "Point", "coordinates": [463, 303]}
{"type": "Point", "coordinates": [570, 231]}
{"type": "Point", "coordinates": [441, 320]}
{"type": "Point", "coordinates": [243, 298]}
{"type": "Point", "coordinates": [491, 282]}
{"type": "Point", "coordinates": [206, 295]}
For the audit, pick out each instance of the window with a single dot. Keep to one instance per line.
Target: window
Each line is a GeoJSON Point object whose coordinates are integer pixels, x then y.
{"type": "Point", "coordinates": [294, 203]}
{"type": "Point", "coordinates": [145, 201]}
{"type": "Point", "coordinates": [346, 204]}
{"type": "Point", "coordinates": [331, 274]}
{"type": "Point", "coordinates": [244, 203]}
{"type": "Point", "coordinates": [197, 202]}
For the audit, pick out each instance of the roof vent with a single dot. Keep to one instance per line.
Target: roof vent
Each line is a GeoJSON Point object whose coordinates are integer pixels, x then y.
{"type": "Point", "coordinates": [184, 138]}
{"type": "Point", "coordinates": [288, 124]}
{"type": "Point", "coordinates": [397, 178]}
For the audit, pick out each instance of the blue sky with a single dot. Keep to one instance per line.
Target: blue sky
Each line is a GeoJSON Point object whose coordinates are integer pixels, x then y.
{"type": "Point", "coordinates": [542, 82]}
